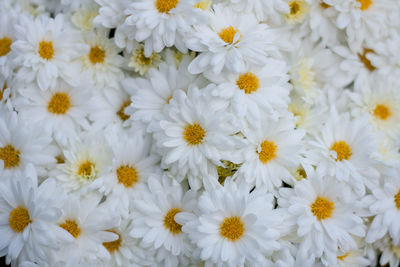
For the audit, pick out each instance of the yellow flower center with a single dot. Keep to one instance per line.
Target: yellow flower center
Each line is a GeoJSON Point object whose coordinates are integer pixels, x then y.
{"type": "Point", "coordinates": [227, 34]}
{"type": "Point", "coordinates": [322, 208]}
{"type": "Point", "coordinates": [382, 112]}
{"type": "Point", "coordinates": [300, 174]}
{"type": "Point", "coordinates": [113, 245]}
{"type": "Point", "coordinates": [121, 112]}
{"type": "Point", "coordinates": [363, 57]}
{"type": "Point", "coordinates": [96, 55]}
{"type": "Point", "coordinates": [10, 156]}
{"type": "Point", "coordinates": [342, 150]}
{"type": "Point", "coordinates": [59, 103]}
{"type": "Point", "coordinates": [232, 228]}
{"type": "Point", "coordinates": [342, 257]}
{"type": "Point", "coordinates": [204, 4]}
{"type": "Point", "coordinates": [5, 46]}
{"type": "Point", "coordinates": [365, 4]}
{"type": "Point", "coordinates": [127, 175]}
{"type": "Point", "coordinates": [268, 151]}
{"type": "Point", "coordinates": [71, 227]}
{"type": "Point", "coordinates": [248, 82]}
{"type": "Point", "coordinates": [46, 50]}
{"type": "Point", "coordinates": [194, 134]}
{"type": "Point", "coordinates": [19, 219]}
{"type": "Point", "coordinates": [87, 170]}
{"type": "Point", "coordinates": [298, 9]}
{"type": "Point", "coordinates": [164, 6]}
{"type": "Point", "coordinates": [170, 223]}
{"type": "Point", "coordinates": [227, 170]}
{"type": "Point", "coordinates": [397, 200]}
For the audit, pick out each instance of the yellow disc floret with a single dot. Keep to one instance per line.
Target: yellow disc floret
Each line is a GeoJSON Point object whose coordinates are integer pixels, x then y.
{"type": "Point", "coordinates": [5, 46]}
{"type": "Point", "coordinates": [127, 175]}
{"type": "Point", "coordinates": [268, 151]}
{"type": "Point", "coordinates": [227, 34]}
{"type": "Point", "coordinates": [232, 228]}
{"type": "Point", "coordinates": [96, 55]}
{"type": "Point", "coordinates": [170, 223]}
{"type": "Point", "coordinates": [59, 103]}
{"type": "Point", "coordinates": [164, 6]}
{"type": "Point", "coordinates": [382, 112]}
{"type": "Point", "coordinates": [46, 50]}
{"type": "Point", "coordinates": [365, 4]}
{"type": "Point", "coordinates": [342, 150]}
{"type": "Point", "coordinates": [87, 170]}
{"type": "Point", "coordinates": [322, 208]}
{"type": "Point", "coordinates": [19, 219]}
{"type": "Point", "coordinates": [10, 156]}
{"type": "Point", "coordinates": [248, 82]}
{"type": "Point", "coordinates": [71, 227]}
{"type": "Point", "coordinates": [194, 134]}
{"type": "Point", "coordinates": [113, 245]}
{"type": "Point", "coordinates": [298, 10]}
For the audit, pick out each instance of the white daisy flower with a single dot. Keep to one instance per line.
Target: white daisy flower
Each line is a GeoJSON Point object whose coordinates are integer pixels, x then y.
{"type": "Point", "coordinates": [27, 216]}
{"type": "Point", "coordinates": [131, 166]}
{"type": "Point", "coordinates": [256, 91]}
{"type": "Point", "coordinates": [170, 22]}
{"type": "Point", "coordinates": [272, 147]}
{"type": "Point", "coordinates": [61, 110]}
{"type": "Point", "coordinates": [87, 162]}
{"type": "Point", "coordinates": [139, 62]}
{"type": "Point", "coordinates": [21, 144]}
{"type": "Point", "coordinates": [325, 214]}
{"type": "Point", "coordinates": [153, 220]}
{"type": "Point", "coordinates": [230, 41]}
{"type": "Point", "coordinates": [102, 63]}
{"type": "Point", "coordinates": [89, 225]}
{"type": "Point", "coordinates": [343, 148]}
{"type": "Point", "coordinates": [193, 136]}
{"type": "Point", "coordinates": [233, 227]}
{"type": "Point", "coordinates": [43, 50]}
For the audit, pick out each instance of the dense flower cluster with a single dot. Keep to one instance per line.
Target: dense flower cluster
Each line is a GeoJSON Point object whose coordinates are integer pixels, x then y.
{"type": "Point", "coordinates": [200, 132]}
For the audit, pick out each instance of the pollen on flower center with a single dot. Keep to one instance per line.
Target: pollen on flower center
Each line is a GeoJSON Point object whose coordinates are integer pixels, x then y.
{"type": "Point", "coordinates": [46, 50]}
{"type": "Point", "coordinates": [5, 46]}
{"type": "Point", "coordinates": [10, 156]}
{"type": "Point", "coordinates": [322, 208]}
{"type": "Point", "coordinates": [342, 150]}
{"type": "Point", "coordinates": [232, 228]}
{"type": "Point", "coordinates": [397, 200]}
{"type": "Point", "coordinates": [127, 175]}
{"type": "Point", "coordinates": [382, 112]}
{"type": "Point", "coordinates": [170, 223]}
{"type": "Point", "coordinates": [227, 34]}
{"type": "Point", "coordinates": [96, 55]}
{"type": "Point", "coordinates": [164, 6]}
{"type": "Point", "coordinates": [113, 245]}
{"type": "Point", "coordinates": [194, 134]}
{"type": "Point", "coordinates": [365, 4]}
{"type": "Point", "coordinates": [121, 112]}
{"type": "Point", "coordinates": [19, 219]}
{"type": "Point", "coordinates": [363, 57]}
{"type": "Point", "coordinates": [71, 227]}
{"type": "Point", "coordinates": [87, 170]}
{"type": "Point", "coordinates": [268, 151]}
{"type": "Point", "coordinates": [298, 9]}
{"type": "Point", "coordinates": [59, 103]}
{"type": "Point", "coordinates": [248, 82]}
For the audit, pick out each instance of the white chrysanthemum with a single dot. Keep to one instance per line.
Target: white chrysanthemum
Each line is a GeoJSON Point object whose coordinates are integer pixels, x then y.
{"type": "Point", "coordinates": [131, 166]}
{"type": "Point", "coordinates": [21, 144]}
{"type": "Point", "coordinates": [102, 63]}
{"type": "Point", "coordinates": [89, 225]}
{"type": "Point", "coordinates": [380, 100]}
{"type": "Point", "coordinates": [231, 40]}
{"type": "Point", "coordinates": [364, 19]}
{"type": "Point", "coordinates": [233, 227]}
{"type": "Point", "coordinates": [256, 91]}
{"type": "Point", "coordinates": [139, 62]}
{"type": "Point", "coordinates": [324, 213]}
{"type": "Point", "coordinates": [87, 161]}
{"type": "Point", "coordinates": [153, 220]}
{"type": "Point", "coordinates": [160, 23]}
{"type": "Point", "coordinates": [61, 110]}
{"type": "Point", "coordinates": [151, 96]}
{"type": "Point", "coordinates": [343, 148]}
{"type": "Point", "coordinates": [27, 216]}
{"type": "Point", "coordinates": [193, 136]}
{"type": "Point", "coordinates": [271, 148]}
{"type": "Point", "coordinates": [43, 49]}
{"type": "Point", "coordinates": [8, 19]}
